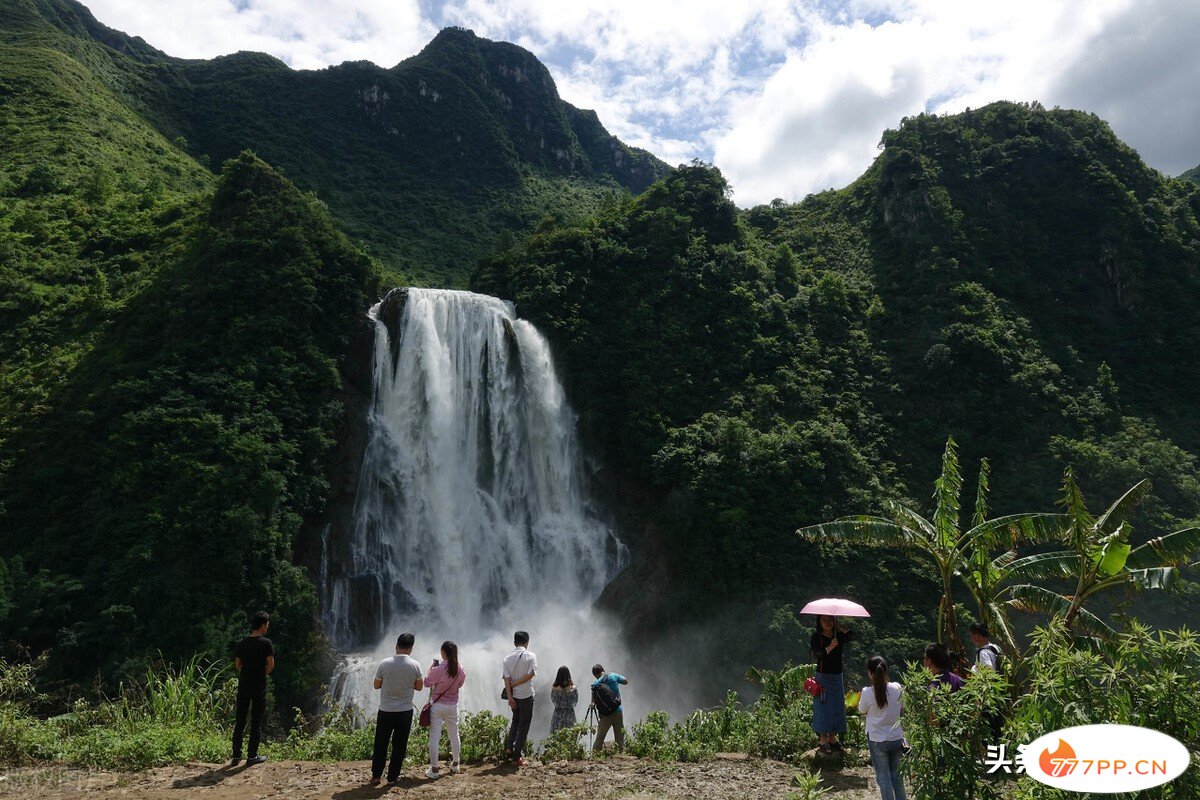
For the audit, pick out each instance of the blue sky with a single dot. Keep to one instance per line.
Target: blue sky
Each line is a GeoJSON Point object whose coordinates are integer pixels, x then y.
{"type": "Point", "coordinates": [787, 97]}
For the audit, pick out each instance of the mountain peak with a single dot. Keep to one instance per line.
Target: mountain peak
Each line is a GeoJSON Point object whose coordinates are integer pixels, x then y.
{"type": "Point", "coordinates": [74, 19]}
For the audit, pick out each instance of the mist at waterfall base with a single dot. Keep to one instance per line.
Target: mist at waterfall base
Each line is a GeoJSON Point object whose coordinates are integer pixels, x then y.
{"type": "Point", "coordinates": [473, 517]}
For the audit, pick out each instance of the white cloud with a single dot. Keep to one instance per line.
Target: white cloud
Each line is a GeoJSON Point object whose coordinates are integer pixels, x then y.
{"type": "Point", "coordinates": [1141, 74]}
{"type": "Point", "coordinates": [817, 120]}
{"type": "Point", "coordinates": [307, 34]}
{"type": "Point", "coordinates": [660, 74]}
{"type": "Point", "coordinates": [786, 96]}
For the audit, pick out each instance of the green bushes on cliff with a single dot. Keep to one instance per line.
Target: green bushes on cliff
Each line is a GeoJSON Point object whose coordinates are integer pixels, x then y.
{"type": "Point", "coordinates": [1012, 276]}
{"type": "Point", "coordinates": [158, 498]}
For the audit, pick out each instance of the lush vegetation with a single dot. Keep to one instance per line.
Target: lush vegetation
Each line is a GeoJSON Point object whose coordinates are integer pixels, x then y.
{"type": "Point", "coordinates": [971, 555]}
{"type": "Point", "coordinates": [1013, 276]}
{"type": "Point", "coordinates": [172, 715]}
{"type": "Point", "coordinates": [174, 343]}
{"type": "Point", "coordinates": [157, 497]}
{"type": "Point", "coordinates": [428, 162]}
{"type": "Point", "coordinates": [1129, 677]}
{"type": "Point", "coordinates": [173, 347]}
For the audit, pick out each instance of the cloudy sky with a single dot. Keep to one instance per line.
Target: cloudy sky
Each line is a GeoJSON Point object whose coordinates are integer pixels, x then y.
{"type": "Point", "coordinates": [787, 97]}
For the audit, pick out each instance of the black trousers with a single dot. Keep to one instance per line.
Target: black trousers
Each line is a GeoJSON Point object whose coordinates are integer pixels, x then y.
{"type": "Point", "coordinates": [252, 701]}
{"type": "Point", "coordinates": [518, 731]}
{"type": "Point", "coordinates": [394, 726]}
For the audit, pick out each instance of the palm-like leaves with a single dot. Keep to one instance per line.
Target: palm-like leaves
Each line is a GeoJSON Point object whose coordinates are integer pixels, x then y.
{"type": "Point", "coordinates": [1028, 597]}
{"type": "Point", "coordinates": [986, 575]}
{"type": "Point", "coordinates": [1098, 555]}
{"type": "Point", "coordinates": [952, 551]}
{"type": "Point", "coordinates": [1100, 559]}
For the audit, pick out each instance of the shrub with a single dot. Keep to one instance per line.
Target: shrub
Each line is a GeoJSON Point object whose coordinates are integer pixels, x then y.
{"type": "Point", "coordinates": [335, 736]}
{"type": "Point", "coordinates": [482, 737]}
{"type": "Point", "coordinates": [23, 738]}
{"type": "Point", "coordinates": [1140, 678]}
{"type": "Point", "coordinates": [196, 694]}
{"type": "Point", "coordinates": [949, 734]}
{"type": "Point", "coordinates": [655, 737]}
{"type": "Point", "coordinates": [154, 745]}
{"type": "Point", "coordinates": [565, 744]}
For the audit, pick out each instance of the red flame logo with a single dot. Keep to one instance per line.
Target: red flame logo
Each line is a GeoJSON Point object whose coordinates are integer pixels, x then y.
{"type": "Point", "coordinates": [1060, 762]}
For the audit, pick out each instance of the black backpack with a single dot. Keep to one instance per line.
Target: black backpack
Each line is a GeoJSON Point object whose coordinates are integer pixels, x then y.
{"type": "Point", "coordinates": [605, 699]}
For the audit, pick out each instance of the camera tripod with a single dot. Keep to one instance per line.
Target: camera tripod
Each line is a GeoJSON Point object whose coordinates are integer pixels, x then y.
{"type": "Point", "coordinates": [592, 717]}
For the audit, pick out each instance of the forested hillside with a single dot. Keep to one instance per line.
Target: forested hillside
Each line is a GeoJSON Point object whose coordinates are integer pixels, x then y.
{"type": "Point", "coordinates": [427, 163]}
{"type": "Point", "coordinates": [1012, 276]}
{"type": "Point", "coordinates": [163, 486]}
{"type": "Point", "coordinates": [177, 317]}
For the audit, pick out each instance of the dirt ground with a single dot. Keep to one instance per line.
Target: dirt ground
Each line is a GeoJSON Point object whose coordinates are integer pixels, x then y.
{"type": "Point", "coordinates": [722, 778]}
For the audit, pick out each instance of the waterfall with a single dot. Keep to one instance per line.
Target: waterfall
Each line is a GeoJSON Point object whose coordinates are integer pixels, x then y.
{"type": "Point", "coordinates": [472, 516]}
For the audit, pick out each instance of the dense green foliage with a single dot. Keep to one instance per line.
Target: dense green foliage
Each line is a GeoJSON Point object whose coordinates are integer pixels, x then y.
{"type": "Point", "coordinates": [953, 551]}
{"type": "Point", "coordinates": [1100, 559]}
{"type": "Point", "coordinates": [92, 202]}
{"type": "Point", "coordinates": [1012, 276]}
{"type": "Point", "coordinates": [1192, 175]}
{"type": "Point", "coordinates": [173, 345]}
{"type": "Point", "coordinates": [698, 383]}
{"type": "Point", "coordinates": [188, 443]}
{"type": "Point", "coordinates": [949, 734]}
{"type": "Point", "coordinates": [1135, 680]}
{"type": "Point", "coordinates": [428, 163]}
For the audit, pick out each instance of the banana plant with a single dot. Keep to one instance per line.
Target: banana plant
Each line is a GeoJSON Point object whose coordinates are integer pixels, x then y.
{"type": "Point", "coordinates": [951, 550]}
{"type": "Point", "coordinates": [986, 573]}
{"type": "Point", "coordinates": [780, 687]}
{"type": "Point", "coordinates": [1099, 559]}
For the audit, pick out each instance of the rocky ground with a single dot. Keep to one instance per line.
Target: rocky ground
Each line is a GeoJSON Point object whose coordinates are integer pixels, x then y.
{"type": "Point", "coordinates": [722, 778]}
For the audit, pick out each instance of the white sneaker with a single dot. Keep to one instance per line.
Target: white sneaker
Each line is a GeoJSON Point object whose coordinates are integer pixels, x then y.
{"type": "Point", "coordinates": [432, 774]}
{"type": "Point", "coordinates": [455, 769]}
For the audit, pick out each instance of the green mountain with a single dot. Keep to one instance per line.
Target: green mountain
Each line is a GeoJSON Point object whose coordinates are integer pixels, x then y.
{"type": "Point", "coordinates": [180, 348]}
{"type": "Point", "coordinates": [1192, 175]}
{"type": "Point", "coordinates": [428, 163]}
{"type": "Point", "coordinates": [1012, 276]}
{"type": "Point", "coordinates": [177, 347]}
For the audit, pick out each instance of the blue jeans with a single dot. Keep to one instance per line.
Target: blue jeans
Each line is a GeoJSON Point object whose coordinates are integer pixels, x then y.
{"type": "Point", "coordinates": [885, 757]}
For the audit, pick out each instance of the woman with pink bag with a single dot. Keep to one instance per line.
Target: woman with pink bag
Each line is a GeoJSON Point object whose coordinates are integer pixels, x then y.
{"type": "Point", "coordinates": [446, 676]}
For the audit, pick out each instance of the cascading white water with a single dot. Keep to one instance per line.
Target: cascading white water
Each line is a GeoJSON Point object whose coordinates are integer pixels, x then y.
{"type": "Point", "coordinates": [472, 517]}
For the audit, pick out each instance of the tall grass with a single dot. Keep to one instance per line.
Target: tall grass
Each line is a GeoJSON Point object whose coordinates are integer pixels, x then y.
{"type": "Point", "coordinates": [195, 694]}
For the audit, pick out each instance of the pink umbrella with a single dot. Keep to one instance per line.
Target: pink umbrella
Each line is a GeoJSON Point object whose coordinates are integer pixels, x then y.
{"type": "Point", "coordinates": [835, 607]}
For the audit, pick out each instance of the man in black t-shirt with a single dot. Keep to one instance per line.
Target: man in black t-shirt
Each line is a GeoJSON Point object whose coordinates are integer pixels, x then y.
{"type": "Point", "coordinates": [254, 658]}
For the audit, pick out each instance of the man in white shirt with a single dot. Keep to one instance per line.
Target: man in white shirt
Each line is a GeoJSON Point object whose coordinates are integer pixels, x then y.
{"type": "Point", "coordinates": [520, 667]}
{"type": "Point", "coordinates": [396, 678]}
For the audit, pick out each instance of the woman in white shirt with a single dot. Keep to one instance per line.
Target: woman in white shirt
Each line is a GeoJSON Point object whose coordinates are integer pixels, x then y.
{"type": "Point", "coordinates": [882, 703]}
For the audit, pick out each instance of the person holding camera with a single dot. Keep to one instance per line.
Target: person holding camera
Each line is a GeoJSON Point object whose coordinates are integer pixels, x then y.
{"type": "Point", "coordinates": [446, 676]}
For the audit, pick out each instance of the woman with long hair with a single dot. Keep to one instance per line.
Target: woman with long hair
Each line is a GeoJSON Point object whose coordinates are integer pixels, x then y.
{"type": "Point", "coordinates": [446, 676]}
{"type": "Point", "coordinates": [564, 695]}
{"type": "Point", "coordinates": [829, 708]}
{"type": "Point", "coordinates": [881, 704]}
